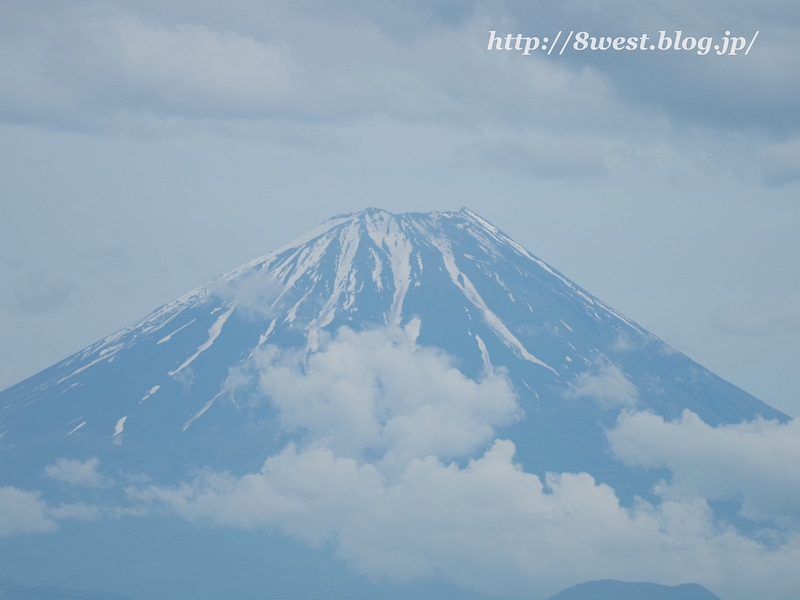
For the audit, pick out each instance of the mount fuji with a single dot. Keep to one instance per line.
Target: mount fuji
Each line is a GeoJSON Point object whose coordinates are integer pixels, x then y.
{"type": "Point", "coordinates": [348, 340]}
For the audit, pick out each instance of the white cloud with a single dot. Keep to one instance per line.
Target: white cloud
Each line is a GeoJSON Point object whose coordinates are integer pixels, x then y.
{"type": "Point", "coordinates": [78, 512]}
{"type": "Point", "coordinates": [608, 387]}
{"type": "Point", "coordinates": [772, 318]}
{"type": "Point", "coordinates": [623, 343]}
{"type": "Point", "coordinates": [76, 472]}
{"type": "Point", "coordinates": [378, 392]}
{"type": "Point", "coordinates": [253, 293]}
{"type": "Point", "coordinates": [758, 461]}
{"type": "Point", "coordinates": [110, 72]}
{"type": "Point", "coordinates": [23, 512]}
{"type": "Point", "coordinates": [120, 69]}
{"type": "Point", "coordinates": [192, 67]}
{"type": "Point", "coordinates": [82, 71]}
{"type": "Point", "coordinates": [488, 525]}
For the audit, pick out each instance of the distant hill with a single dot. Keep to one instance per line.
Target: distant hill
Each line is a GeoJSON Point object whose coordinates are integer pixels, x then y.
{"type": "Point", "coordinates": [12, 591]}
{"type": "Point", "coordinates": [609, 589]}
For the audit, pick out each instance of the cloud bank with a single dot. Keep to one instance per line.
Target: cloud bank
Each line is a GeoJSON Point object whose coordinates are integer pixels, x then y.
{"type": "Point", "coordinates": [24, 511]}
{"type": "Point", "coordinates": [399, 471]}
{"type": "Point", "coordinates": [396, 466]}
{"type": "Point", "coordinates": [757, 461]}
{"type": "Point", "coordinates": [86, 69]}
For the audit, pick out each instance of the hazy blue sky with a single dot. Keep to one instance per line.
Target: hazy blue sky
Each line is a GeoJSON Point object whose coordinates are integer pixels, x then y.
{"type": "Point", "coordinates": [147, 147]}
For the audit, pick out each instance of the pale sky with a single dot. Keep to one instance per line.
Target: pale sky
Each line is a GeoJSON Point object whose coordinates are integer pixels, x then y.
{"type": "Point", "coordinates": [146, 148]}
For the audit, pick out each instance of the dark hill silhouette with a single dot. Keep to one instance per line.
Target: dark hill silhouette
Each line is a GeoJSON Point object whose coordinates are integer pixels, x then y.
{"type": "Point", "coordinates": [610, 589]}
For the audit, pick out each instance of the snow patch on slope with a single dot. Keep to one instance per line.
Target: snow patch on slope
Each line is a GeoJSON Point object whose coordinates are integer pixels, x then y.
{"type": "Point", "coordinates": [118, 428]}
{"type": "Point", "coordinates": [502, 238]}
{"type": "Point", "coordinates": [152, 391]}
{"type": "Point", "coordinates": [387, 234]}
{"type": "Point", "coordinates": [213, 334]}
{"type": "Point", "coordinates": [168, 337]}
{"type": "Point", "coordinates": [465, 285]}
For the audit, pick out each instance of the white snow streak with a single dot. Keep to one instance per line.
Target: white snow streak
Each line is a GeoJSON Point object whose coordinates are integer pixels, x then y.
{"type": "Point", "coordinates": [344, 281]}
{"type": "Point", "coordinates": [412, 329]}
{"type": "Point", "coordinates": [376, 271]}
{"type": "Point", "coordinates": [307, 259]}
{"type": "Point", "coordinates": [168, 337]}
{"type": "Point", "coordinates": [200, 412]}
{"type": "Point", "coordinates": [507, 240]}
{"type": "Point", "coordinates": [266, 334]}
{"type": "Point", "coordinates": [83, 368]}
{"type": "Point", "coordinates": [213, 334]}
{"type": "Point", "coordinates": [465, 285]}
{"type": "Point", "coordinates": [152, 391]}
{"type": "Point", "coordinates": [76, 429]}
{"type": "Point", "coordinates": [292, 314]}
{"type": "Point", "coordinates": [386, 233]}
{"type": "Point", "coordinates": [484, 353]}
{"type": "Point", "coordinates": [400, 254]}
{"type": "Point", "coordinates": [120, 425]}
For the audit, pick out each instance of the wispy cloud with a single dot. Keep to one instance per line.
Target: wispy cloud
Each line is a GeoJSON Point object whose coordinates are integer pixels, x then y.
{"type": "Point", "coordinates": [76, 472]}
{"type": "Point", "coordinates": [766, 319]}
{"type": "Point", "coordinates": [607, 386]}
{"type": "Point", "coordinates": [780, 162]}
{"type": "Point", "coordinates": [191, 67]}
{"type": "Point", "coordinates": [544, 156]}
{"type": "Point", "coordinates": [42, 293]}
{"type": "Point", "coordinates": [756, 461]}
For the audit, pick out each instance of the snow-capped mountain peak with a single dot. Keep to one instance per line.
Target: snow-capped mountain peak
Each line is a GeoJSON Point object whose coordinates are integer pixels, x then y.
{"type": "Point", "coordinates": [456, 280]}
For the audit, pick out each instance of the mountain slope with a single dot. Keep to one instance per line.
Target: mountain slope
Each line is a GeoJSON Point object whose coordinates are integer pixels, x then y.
{"type": "Point", "coordinates": [159, 385]}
